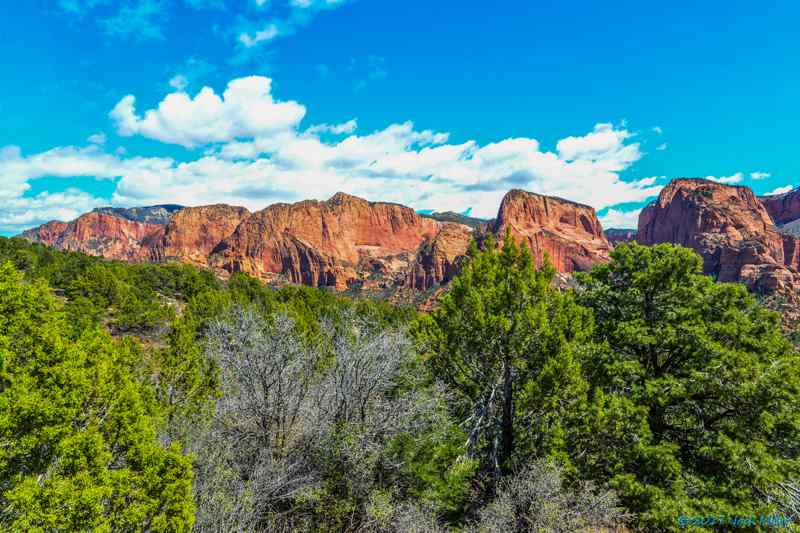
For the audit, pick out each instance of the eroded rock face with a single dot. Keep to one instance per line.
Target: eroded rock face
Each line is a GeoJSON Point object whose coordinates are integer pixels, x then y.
{"type": "Point", "coordinates": [345, 242]}
{"type": "Point", "coordinates": [729, 227]}
{"type": "Point", "coordinates": [437, 261]}
{"type": "Point", "coordinates": [337, 243]}
{"type": "Point", "coordinates": [101, 235]}
{"type": "Point", "coordinates": [47, 234]}
{"type": "Point", "coordinates": [193, 232]}
{"type": "Point", "coordinates": [568, 232]}
{"type": "Point", "coordinates": [782, 208]}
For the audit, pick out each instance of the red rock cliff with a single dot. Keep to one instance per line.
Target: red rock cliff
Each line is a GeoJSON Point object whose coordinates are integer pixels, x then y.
{"type": "Point", "coordinates": [727, 226]}
{"type": "Point", "coordinates": [438, 260]}
{"type": "Point", "coordinates": [782, 208]}
{"type": "Point", "coordinates": [568, 232]}
{"type": "Point", "coordinates": [343, 242]}
{"type": "Point", "coordinates": [334, 243]}
{"type": "Point", "coordinates": [193, 232]}
{"type": "Point", "coordinates": [101, 235]}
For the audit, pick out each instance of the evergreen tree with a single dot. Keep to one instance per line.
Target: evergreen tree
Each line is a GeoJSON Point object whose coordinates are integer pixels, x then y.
{"type": "Point", "coordinates": [78, 443]}
{"type": "Point", "coordinates": [507, 342]}
{"type": "Point", "coordinates": [696, 402]}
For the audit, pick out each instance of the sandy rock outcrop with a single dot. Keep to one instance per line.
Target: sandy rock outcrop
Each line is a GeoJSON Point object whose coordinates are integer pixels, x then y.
{"type": "Point", "coordinates": [728, 226]}
{"type": "Point", "coordinates": [193, 232]}
{"type": "Point", "coordinates": [336, 243]}
{"type": "Point", "coordinates": [569, 233]}
{"type": "Point", "coordinates": [101, 235]}
{"type": "Point", "coordinates": [782, 208]}
{"type": "Point", "coordinates": [437, 260]}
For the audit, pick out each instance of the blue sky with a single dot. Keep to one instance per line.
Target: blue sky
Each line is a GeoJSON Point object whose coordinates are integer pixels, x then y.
{"type": "Point", "coordinates": [438, 105]}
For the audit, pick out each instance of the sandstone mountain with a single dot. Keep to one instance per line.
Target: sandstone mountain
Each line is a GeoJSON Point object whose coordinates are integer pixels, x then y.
{"type": "Point", "coordinates": [337, 243]}
{"type": "Point", "coordinates": [343, 243]}
{"type": "Point", "coordinates": [569, 233]}
{"type": "Point", "coordinates": [729, 227]}
{"type": "Point", "coordinates": [784, 209]}
{"type": "Point", "coordinates": [101, 234]}
{"type": "Point", "coordinates": [194, 232]}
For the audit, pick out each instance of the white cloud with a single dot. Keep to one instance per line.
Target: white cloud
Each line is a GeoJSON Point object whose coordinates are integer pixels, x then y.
{"type": "Point", "coordinates": [266, 34]}
{"type": "Point", "coordinates": [615, 218]}
{"type": "Point", "coordinates": [604, 145]}
{"type": "Point", "coordinates": [23, 212]}
{"type": "Point", "coordinates": [254, 154]}
{"type": "Point", "coordinates": [760, 175]}
{"type": "Point", "coordinates": [728, 180]}
{"type": "Point", "coordinates": [781, 190]}
{"type": "Point", "coordinates": [336, 129]}
{"type": "Point", "coordinates": [246, 109]}
{"type": "Point", "coordinates": [179, 82]}
{"type": "Point", "coordinates": [661, 147]}
{"type": "Point", "coordinates": [658, 130]}
{"type": "Point", "coordinates": [97, 138]}
{"type": "Point", "coordinates": [255, 32]}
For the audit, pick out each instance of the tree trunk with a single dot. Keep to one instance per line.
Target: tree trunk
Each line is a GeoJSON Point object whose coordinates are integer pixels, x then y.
{"type": "Point", "coordinates": [508, 419]}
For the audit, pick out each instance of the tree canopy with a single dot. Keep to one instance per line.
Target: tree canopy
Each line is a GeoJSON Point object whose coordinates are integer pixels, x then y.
{"type": "Point", "coordinates": [80, 449]}
{"type": "Point", "coordinates": [157, 397]}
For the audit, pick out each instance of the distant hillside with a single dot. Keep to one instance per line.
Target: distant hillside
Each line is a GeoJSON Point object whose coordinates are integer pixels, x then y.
{"type": "Point", "coordinates": [792, 228]}
{"type": "Point", "coordinates": [154, 214]}
{"type": "Point", "coordinates": [616, 235]}
{"type": "Point", "coordinates": [450, 216]}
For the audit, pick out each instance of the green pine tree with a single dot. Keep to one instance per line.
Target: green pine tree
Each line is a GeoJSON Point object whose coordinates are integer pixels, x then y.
{"type": "Point", "coordinates": [508, 342]}
{"type": "Point", "coordinates": [696, 402]}
{"type": "Point", "coordinates": [78, 443]}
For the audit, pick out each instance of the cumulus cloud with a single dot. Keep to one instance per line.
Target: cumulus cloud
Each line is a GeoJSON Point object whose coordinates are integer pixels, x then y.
{"type": "Point", "coordinates": [760, 175]}
{"type": "Point", "coordinates": [23, 212]}
{"type": "Point", "coordinates": [605, 145]}
{"type": "Point", "coordinates": [253, 152]}
{"type": "Point", "coordinates": [245, 109]}
{"type": "Point", "coordinates": [19, 210]}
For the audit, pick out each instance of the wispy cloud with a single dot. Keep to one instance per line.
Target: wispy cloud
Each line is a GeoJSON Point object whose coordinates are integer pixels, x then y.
{"type": "Point", "coordinates": [97, 138]}
{"type": "Point", "coordinates": [781, 190]}
{"type": "Point", "coordinates": [728, 180]}
{"type": "Point", "coordinates": [138, 20]}
{"type": "Point", "coordinates": [375, 71]}
{"type": "Point", "coordinates": [255, 31]}
{"type": "Point", "coordinates": [190, 72]}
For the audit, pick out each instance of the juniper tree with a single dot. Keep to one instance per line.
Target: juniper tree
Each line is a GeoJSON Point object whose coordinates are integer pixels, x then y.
{"type": "Point", "coordinates": [507, 342]}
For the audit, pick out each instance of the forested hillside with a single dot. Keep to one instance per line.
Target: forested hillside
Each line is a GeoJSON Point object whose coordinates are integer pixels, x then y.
{"type": "Point", "coordinates": [157, 397]}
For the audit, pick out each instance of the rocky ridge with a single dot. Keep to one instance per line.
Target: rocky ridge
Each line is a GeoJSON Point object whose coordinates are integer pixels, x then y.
{"type": "Point", "coordinates": [345, 243]}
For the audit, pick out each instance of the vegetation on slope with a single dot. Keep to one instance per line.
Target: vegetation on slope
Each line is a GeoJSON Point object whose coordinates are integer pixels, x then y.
{"type": "Point", "coordinates": [157, 397]}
